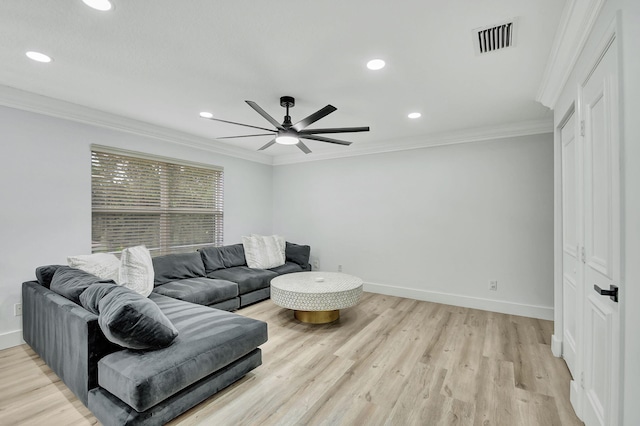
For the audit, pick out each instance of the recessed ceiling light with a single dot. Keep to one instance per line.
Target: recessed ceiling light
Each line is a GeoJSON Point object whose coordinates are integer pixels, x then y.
{"type": "Point", "coordinates": [37, 56]}
{"type": "Point", "coordinates": [414, 115]}
{"type": "Point", "coordinates": [375, 64]}
{"type": "Point", "coordinates": [205, 114]}
{"type": "Point", "coordinates": [101, 5]}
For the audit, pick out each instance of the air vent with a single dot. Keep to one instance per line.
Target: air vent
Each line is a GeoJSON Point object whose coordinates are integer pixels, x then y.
{"type": "Point", "coordinates": [494, 37]}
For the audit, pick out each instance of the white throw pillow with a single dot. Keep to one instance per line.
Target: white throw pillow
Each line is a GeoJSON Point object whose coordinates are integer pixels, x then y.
{"type": "Point", "coordinates": [275, 246]}
{"type": "Point", "coordinates": [136, 270]}
{"type": "Point", "coordinates": [264, 252]}
{"type": "Point", "coordinates": [103, 265]}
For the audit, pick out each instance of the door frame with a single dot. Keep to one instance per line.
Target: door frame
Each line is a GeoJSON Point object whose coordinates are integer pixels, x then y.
{"type": "Point", "coordinates": [610, 40]}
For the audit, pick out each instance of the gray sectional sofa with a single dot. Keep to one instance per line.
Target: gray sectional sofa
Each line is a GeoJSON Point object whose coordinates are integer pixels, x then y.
{"type": "Point", "coordinates": [219, 276]}
{"type": "Point", "coordinates": [64, 321]}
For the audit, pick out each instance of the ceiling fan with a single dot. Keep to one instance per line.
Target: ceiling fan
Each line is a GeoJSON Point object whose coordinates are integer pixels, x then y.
{"type": "Point", "coordinates": [291, 134]}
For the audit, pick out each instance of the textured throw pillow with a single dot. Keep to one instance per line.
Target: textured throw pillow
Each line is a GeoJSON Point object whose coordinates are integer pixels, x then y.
{"type": "Point", "coordinates": [134, 321]}
{"type": "Point", "coordinates": [136, 270]}
{"type": "Point", "coordinates": [102, 265]}
{"type": "Point", "coordinates": [70, 282]}
{"type": "Point", "coordinates": [264, 252]}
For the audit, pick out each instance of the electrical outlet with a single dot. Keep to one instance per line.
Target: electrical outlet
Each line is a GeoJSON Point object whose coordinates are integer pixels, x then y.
{"type": "Point", "coordinates": [316, 264]}
{"type": "Point", "coordinates": [493, 285]}
{"type": "Point", "coordinates": [17, 309]}
{"type": "Point", "coordinates": [339, 268]}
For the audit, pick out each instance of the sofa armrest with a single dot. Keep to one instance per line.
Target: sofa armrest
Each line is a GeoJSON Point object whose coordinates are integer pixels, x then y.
{"type": "Point", "coordinates": [65, 335]}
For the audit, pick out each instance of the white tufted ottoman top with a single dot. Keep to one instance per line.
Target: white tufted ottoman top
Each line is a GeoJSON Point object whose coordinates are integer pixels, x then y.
{"type": "Point", "coordinates": [316, 291]}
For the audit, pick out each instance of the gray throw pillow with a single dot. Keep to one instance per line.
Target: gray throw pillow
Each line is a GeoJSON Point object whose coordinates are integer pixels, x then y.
{"type": "Point", "coordinates": [134, 321]}
{"type": "Point", "coordinates": [297, 253]}
{"type": "Point", "coordinates": [70, 282]}
{"type": "Point", "coordinates": [44, 274]}
{"type": "Point", "coordinates": [90, 298]}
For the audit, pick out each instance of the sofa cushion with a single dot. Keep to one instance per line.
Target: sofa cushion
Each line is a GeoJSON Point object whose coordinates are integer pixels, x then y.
{"type": "Point", "coordinates": [208, 340]}
{"type": "Point", "coordinates": [44, 274]}
{"type": "Point", "coordinates": [215, 258]}
{"type": "Point", "coordinates": [287, 268]}
{"type": "Point", "coordinates": [212, 258]}
{"type": "Point", "coordinates": [203, 291]}
{"type": "Point", "coordinates": [71, 282]}
{"type": "Point", "coordinates": [297, 253]}
{"type": "Point", "coordinates": [134, 321]}
{"type": "Point", "coordinates": [172, 267]}
{"type": "Point", "coordinates": [247, 279]}
{"type": "Point", "coordinates": [233, 255]}
{"type": "Point", "coordinates": [90, 298]}
{"type": "Point", "coordinates": [111, 411]}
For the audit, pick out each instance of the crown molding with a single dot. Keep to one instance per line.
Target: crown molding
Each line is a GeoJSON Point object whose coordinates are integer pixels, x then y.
{"type": "Point", "coordinates": [427, 141]}
{"type": "Point", "coordinates": [28, 101]}
{"type": "Point", "coordinates": [576, 22]}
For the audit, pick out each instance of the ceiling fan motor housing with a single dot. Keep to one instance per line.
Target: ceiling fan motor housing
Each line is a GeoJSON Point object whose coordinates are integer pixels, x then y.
{"type": "Point", "coordinates": [287, 102]}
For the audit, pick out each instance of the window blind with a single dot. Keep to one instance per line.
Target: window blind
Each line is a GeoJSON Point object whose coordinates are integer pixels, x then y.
{"type": "Point", "coordinates": [169, 207]}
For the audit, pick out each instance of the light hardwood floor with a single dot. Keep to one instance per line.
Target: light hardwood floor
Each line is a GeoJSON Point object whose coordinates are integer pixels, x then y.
{"type": "Point", "coordinates": [387, 361]}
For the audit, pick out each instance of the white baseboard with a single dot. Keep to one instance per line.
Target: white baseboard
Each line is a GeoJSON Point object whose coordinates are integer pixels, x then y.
{"type": "Point", "coordinates": [511, 308]}
{"type": "Point", "coordinates": [11, 339]}
{"type": "Point", "coordinates": [575, 397]}
{"type": "Point", "coordinates": [556, 346]}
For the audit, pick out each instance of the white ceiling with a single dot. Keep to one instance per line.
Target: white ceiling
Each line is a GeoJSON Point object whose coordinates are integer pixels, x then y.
{"type": "Point", "coordinates": [162, 62]}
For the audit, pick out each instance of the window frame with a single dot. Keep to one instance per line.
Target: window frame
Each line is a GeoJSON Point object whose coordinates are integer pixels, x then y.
{"type": "Point", "coordinates": [164, 211]}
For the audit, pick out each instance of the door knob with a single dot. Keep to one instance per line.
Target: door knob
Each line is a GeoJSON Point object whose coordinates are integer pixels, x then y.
{"type": "Point", "coordinates": [612, 292]}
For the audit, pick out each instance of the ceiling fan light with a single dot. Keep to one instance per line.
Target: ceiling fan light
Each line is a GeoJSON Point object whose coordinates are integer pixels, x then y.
{"type": "Point", "coordinates": [205, 114]}
{"type": "Point", "coordinates": [414, 115]}
{"type": "Point", "coordinates": [287, 140]}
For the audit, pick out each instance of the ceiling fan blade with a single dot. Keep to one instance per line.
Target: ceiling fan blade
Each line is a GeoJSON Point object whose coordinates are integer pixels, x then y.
{"type": "Point", "coordinates": [246, 136]}
{"type": "Point", "coordinates": [264, 113]}
{"type": "Point", "coordinates": [303, 147]}
{"type": "Point", "coordinates": [323, 139]}
{"type": "Point", "coordinates": [238, 124]}
{"type": "Point", "coordinates": [267, 145]}
{"type": "Point", "coordinates": [314, 117]}
{"type": "Point", "coordinates": [334, 130]}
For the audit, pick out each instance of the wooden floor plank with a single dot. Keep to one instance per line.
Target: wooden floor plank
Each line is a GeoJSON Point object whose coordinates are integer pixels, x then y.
{"type": "Point", "coordinates": [386, 361]}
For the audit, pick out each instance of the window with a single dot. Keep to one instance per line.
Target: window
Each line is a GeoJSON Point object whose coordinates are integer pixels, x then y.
{"type": "Point", "coordinates": [168, 206]}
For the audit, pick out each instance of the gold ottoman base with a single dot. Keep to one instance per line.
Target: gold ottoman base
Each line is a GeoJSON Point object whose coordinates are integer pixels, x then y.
{"type": "Point", "coordinates": [317, 317]}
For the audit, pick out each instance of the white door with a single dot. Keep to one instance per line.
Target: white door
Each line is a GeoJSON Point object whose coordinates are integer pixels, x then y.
{"type": "Point", "coordinates": [571, 243]}
{"type": "Point", "coordinates": [601, 327]}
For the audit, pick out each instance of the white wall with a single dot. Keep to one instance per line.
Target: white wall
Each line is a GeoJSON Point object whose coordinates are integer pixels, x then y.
{"type": "Point", "coordinates": [434, 223]}
{"type": "Point", "coordinates": [45, 191]}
